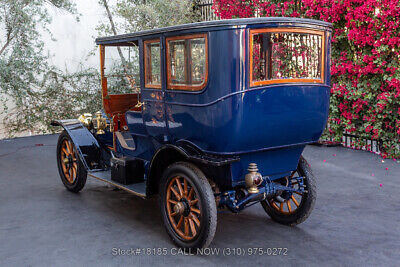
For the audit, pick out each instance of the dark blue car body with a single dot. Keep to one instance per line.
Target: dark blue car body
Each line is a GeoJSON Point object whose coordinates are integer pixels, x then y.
{"type": "Point", "coordinates": [219, 119]}
{"type": "Point", "coordinates": [228, 124]}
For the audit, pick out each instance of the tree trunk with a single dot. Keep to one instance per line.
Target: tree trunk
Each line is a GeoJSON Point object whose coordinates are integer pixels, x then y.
{"type": "Point", "coordinates": [115, 33]}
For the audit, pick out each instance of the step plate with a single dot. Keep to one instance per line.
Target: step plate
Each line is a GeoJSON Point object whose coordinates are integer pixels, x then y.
{"type": "Point", "coordinates": [138, 189]}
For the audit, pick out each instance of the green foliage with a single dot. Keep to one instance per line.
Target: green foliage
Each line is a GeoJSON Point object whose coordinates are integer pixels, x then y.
{"type": "Point", "coordinates": [58, 96]}
{"type": "Point", "coordinates": [40, 91]}
{"type": "Point", "coordinates": [24, 69]}
{"type": "Point", "coordinates": [140, 15]}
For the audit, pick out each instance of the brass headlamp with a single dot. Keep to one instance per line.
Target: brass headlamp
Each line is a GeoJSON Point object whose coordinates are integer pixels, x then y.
{"type": "Point", "coordinates": [99, 123]}
{"type": "Point", "coordinates": [86, 120]}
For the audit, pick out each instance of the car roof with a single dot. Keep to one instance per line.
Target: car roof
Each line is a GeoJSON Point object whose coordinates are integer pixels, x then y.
{"type": "Point", "coordinates": [210, 25]}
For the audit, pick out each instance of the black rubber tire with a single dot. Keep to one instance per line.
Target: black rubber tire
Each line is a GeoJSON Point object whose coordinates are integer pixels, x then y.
{"type": "Point", "coordinates": [208, 207]}
{"type": "Point", "coordinates": [80, 180]}
{"type": "Point", "coordinates": [307, 203]}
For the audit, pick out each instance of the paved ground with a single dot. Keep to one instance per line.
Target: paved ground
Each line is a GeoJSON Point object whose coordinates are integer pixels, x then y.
{"type": "Point", "coordinates": [355, 220]}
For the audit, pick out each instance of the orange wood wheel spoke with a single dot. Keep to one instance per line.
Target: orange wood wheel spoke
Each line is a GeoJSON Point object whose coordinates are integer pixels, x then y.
{"type": "Point", "coordinates": [68, 174]}
{"type": "Point", "coordinates": [193, 202]}
{"type": "Point", "coordinates": [71, 176]}
{"type": "Point", "coordinates": [191, 192]}
{"type": "Point", "coordinates": [178, 183]}
{"type": "Point", "coordinates": [274, 204]}
{"type": "Point", "coordinates": [65, 151]}
{"type": "Point", "coordinates": [178, 197]}
{"type": "Point", "coordinates": [71, 147]}
{"type": "Point", "coordinates": [67, 146]}
{"type": "Point", "coordinates": [180, 222]}
{"type": "Point", "coordinates": [73, 172]}
{"type": "Point", "coordinates": [185, 188]}
{"type": "Point", "coordinates": [192, 227]}
{"type": "Point", "coordinates": [195, 210]}
{"type": "Point", "coordinates": [172, 201]}
{"type": "Point", "coordinates": [300, 194]}
{"type": "Point", "coordinates": [288, 205]}
{"type": "Point", "coordinates": [295, 201]}
{"type": "Point", "coordinates": [281, 207]}
{"type": "Point", "coordinates": [195, 219]}
{"type": "Point", "coordinates": [186, 228]}
{"type": "Point", "coordinates": [64, 167]}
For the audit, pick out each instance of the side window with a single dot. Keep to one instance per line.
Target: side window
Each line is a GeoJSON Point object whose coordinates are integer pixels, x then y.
{"type": "Point", "coordinates": [152, 63]}
{"type": "Point", "coordinates": [187, 65]}
{"type": "Point", "coordinates": [121, 69]}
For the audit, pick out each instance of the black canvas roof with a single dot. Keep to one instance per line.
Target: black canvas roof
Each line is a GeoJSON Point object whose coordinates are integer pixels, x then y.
{"type": "Point", "coordinates": [228, 23]}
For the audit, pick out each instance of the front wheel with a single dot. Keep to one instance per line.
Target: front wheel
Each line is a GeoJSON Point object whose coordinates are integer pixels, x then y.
{"type": "Point", "coordinates": [188, 206]}
{"type": "Point", "coordinates": [293, 208]}
{"type": "Point", "coordinates": [72, 172]}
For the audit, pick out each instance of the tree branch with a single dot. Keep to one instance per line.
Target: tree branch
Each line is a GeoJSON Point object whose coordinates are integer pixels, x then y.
{"type": "Point", "coordinates": [115, 33]}
{"type": "Point", "coordinates": [9, 39]}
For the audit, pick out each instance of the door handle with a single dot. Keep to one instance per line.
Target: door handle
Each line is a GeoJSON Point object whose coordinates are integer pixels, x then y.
{"type": "Point", "coordinates": [139, 104]}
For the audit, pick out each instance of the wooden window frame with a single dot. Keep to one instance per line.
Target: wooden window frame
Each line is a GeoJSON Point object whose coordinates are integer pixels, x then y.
{"type": "Point", "coordinates": [146, 84]}
{"type": "Point", "coordinates": [197, 87]}
{"type": "Point", "coordinates": [289, 80]}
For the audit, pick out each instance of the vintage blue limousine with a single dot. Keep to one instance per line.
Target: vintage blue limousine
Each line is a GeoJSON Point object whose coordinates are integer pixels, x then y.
{"type": "Point", "coordinates": [207, 115]}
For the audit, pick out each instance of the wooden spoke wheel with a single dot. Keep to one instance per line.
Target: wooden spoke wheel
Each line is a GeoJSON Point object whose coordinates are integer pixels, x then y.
{"type": "Point", "coordinates": [72, 172]}
{"type": "Point", "coordinates": [188, 206]}
{"type": "Point", "coordinates": [293, 208]}
{"type": "Point", "coordinates": [183, 208]}
{"type": "Point", "coordinates": [69, 161]}
{"type": "Point", "coordinates": [288, 203]}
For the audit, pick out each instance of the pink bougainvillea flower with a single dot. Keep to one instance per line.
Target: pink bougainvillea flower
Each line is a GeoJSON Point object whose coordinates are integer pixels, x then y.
{"type": "Point", "coordinates": [324, 160]}
{"type": "Point", "coordinates": [334, 155]}
{"type": "Point", "coordinates": [387, 169]}
{"type": "Point", "coordinates": [380, 185]}
{"type": "Point", "coordinates": [372, 174]}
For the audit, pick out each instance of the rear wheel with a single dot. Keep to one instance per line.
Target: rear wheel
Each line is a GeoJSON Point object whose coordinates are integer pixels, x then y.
{"type": "Point", "coordinates": [188, 206]}
{"type": "Point", "coordinates": [72, 172]}
{"type": "Point", "coordinates": [293, 208]}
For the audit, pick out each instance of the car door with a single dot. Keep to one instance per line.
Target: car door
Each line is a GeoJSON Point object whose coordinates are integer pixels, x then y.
{"type": "Point", "coordinates": [153, 89]}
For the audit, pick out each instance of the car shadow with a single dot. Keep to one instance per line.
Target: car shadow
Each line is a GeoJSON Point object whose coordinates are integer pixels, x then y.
{"type": "Point", "coordinates": [251, 227]}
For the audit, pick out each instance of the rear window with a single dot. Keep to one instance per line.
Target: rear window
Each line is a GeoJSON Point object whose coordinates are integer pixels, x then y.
{"type": "Point", "coordinates": [283, 55]}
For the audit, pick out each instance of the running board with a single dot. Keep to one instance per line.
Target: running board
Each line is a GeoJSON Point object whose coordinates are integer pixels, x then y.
{"type": "Point", "coordinates": [138, 189]}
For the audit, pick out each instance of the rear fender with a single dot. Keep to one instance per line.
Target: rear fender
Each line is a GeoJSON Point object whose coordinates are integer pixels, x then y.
{"type": "Point", "coordinates": [87, 146]}
{"type": "Point", "coordinates": [216, 168]}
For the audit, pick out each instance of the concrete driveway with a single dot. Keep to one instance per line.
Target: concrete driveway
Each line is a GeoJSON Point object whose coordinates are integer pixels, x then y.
{"type": "Point", "coordinates": [356, 220]}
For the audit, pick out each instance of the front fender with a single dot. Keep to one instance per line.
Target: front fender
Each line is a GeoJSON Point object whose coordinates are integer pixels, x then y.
{"type": "Point", "coordinates": [86, 144]}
